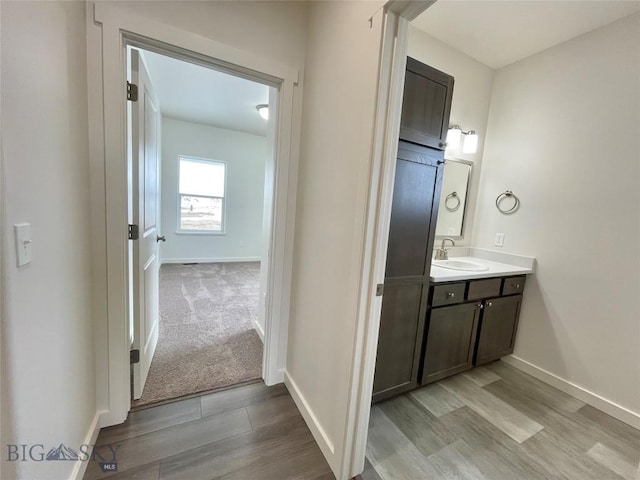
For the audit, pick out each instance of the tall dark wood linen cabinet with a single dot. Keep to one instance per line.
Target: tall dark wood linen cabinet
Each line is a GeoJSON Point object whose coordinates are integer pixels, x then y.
{"type": "Point", "coordinates": [424, 124]}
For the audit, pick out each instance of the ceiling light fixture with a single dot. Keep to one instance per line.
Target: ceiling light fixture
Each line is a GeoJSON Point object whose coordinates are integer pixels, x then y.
{"type": "Point", "coordinates": [455, 140]}
{"type": "Point", "coordinates": [263, 110]}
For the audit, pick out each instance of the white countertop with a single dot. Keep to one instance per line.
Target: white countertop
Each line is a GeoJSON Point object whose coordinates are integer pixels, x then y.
{"type": "Point", "coordinates": [505, 267]}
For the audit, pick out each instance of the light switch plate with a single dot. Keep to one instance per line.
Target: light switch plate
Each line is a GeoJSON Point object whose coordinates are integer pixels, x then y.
{"type": "Point", "coordinates": [23, 243]}
{"type": "Point", "coordinates": [498, 241]}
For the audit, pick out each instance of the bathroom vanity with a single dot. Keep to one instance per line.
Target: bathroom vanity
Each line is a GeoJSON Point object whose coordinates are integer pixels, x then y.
{"type": "Point", "coordinates": [472, 317]}
{"type": "Point", "coordinates": [438, 318]}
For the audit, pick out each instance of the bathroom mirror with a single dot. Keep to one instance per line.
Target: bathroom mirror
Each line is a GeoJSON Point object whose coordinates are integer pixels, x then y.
{"type": "Point", "coordinates": [453, 198]}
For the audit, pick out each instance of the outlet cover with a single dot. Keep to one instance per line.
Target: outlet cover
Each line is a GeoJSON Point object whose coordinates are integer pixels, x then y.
{"type": "Point", "coordinates": [498, 241]}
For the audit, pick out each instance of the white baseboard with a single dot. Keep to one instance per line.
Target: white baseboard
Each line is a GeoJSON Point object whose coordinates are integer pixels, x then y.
{"type": "Point", "coordinates": [607, 406]}
{"type": "Point", "coordinates": [211, 260]}
{"type": "Point", "coordinates": [90, 439]}
{"type": "Point", "coordinates": [258, 328]}
{"type": "Point", "coordinates": [320, 436]}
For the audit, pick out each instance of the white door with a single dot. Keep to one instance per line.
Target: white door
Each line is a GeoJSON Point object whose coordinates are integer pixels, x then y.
{"type": "Point", "coordinates": [145, 151]}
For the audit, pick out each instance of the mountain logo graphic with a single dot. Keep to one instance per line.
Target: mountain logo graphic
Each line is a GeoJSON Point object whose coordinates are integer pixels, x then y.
{"type": "Point", "coordinates": [62, 452]}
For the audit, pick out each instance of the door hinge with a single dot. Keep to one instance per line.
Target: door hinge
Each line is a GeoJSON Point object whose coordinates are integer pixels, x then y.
{"type": "Point", "coordinates": [379, 289]}
{"type": "Point", "coordinates": [132, 92]}
{"type": "Point", "coordinates": [133, 231]}
{"type": "Point", "coordinates": [134, 356]}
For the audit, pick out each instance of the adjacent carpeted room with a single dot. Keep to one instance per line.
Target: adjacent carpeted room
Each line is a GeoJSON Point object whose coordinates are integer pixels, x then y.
{"type": "Point", "coordinates": [207, 339]}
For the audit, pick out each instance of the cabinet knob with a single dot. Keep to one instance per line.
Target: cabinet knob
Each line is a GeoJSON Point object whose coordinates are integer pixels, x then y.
{"type": "Point", "coordinates": [517, 285]}
{"type": "Point", "coordinates": [489, 304]}
{"type": "Point", "coordinates": [451, 294]}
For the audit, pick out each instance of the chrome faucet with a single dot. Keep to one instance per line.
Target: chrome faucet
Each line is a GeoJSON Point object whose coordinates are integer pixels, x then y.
{"type": "Point", "coordinates": [442, 253]}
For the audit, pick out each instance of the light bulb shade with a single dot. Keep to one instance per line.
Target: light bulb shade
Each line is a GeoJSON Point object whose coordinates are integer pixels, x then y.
{"type": "Point", "coordinates": [454, 135]}
{"type": "Point", "coordinates": [470, 143]}
{"type": "Point", "coordinates": [263, 110]}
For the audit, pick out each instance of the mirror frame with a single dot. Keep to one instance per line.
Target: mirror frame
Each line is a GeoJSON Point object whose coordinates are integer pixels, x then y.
{"type": "Point", "coordinates": [466, 197]}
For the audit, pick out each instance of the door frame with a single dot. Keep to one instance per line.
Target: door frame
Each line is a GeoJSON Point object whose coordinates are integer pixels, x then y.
{"type": "Point", "coordinates": [398, 14]}
{"type": "Point", "coordinates": [109, 30]}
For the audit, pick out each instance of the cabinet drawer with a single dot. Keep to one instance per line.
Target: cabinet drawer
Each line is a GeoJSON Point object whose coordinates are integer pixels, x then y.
{"type": "Point", "coordinates": [448, 294]}
{"type": "Point", "coordinates": [513, 285]}
{"type": "Point", "coordinates": [480, 289]}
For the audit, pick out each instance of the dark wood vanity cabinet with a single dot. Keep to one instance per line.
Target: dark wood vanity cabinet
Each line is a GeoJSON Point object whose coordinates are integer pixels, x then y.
{"type": "Point", "coordinates": [429, 332]}
{"type": "Point", "coordinates": [406, 285]}
{"type": "Point", "coordinates": [470, 323]}
{"type": "Point", "coordinates": [426, 104]}
{"type": "Point", "coordinates": [416, 197]}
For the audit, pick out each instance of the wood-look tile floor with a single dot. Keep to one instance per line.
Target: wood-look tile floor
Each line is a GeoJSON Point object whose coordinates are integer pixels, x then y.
{"type": "Point", "coordinates": [248, 432]}
{"type": "Point", "coordinates": [497, 423]}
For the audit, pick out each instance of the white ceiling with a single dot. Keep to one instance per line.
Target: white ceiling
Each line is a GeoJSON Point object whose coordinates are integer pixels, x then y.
{"type": "Point", "coordinates": [198, 94]}
{"type": "Point", "coordinates": [498, 33]}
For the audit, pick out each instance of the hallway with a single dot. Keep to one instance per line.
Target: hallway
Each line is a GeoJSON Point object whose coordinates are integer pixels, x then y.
{"type": "Point", "coordinates": [248, 432]}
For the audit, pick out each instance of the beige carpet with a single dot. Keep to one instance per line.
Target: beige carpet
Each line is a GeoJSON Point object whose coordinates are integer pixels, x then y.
{"type": "Point", "coordinates": [207, 338]}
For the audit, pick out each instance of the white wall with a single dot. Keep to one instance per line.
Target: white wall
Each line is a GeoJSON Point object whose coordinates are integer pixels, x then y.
{"type": "Point", "coordinates": [564, 136]}
{"type": "Point", "coordinates": [470, 105]}
{"type": "Point", "coordinates": [47, 330]}
{"type": "Point", "coordinates": [335, 163]}
{"type": "Point", "coordinates": [245, 155]}
{"type": "Point", "coordinates": [5, 432]}
{"type": "Point", "coordinates": [273, 29]}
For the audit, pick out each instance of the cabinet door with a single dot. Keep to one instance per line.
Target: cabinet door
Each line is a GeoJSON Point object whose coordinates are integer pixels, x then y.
{"type": "Point", "coordinates": [406, 284]}
{"type": "Point", "coordinates": [426, 105]}
{"type": "Point", "coordinates": [451, 336]}
{"type": "Point", "coordinates": [416, 194]}
{"type": "Point", "coordinates": [498, 328]}
{"type": "Point", "coordinates": [401, 324]}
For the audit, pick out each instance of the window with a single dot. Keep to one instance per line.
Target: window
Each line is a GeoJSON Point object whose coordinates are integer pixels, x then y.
{"type": "Point", "coordinates": [201, 193]}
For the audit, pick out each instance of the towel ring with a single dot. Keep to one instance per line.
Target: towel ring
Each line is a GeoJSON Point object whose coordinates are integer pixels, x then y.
{"type": "Point", "coordinates": [507, 194]}
{"type": "Point", "coordinates": [452, 196]}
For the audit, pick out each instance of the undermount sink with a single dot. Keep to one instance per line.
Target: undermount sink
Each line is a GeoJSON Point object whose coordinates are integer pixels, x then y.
{"type": "Point", "coordinates": [460, 265]}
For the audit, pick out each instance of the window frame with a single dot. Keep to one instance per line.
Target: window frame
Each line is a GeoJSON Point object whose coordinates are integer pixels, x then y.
{"type": "Point", "coordinates": [223, 223]}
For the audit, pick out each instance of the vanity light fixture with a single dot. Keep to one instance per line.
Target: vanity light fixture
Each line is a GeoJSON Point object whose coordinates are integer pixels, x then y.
{"type": "Point", "coordinates": [263, 110]}
{"type": "Point", "coordinates": [454, 139]}
{"type": "Point", "coordinates": [470, 143]}
{"type": "Point", "coordinates": [454, 135]}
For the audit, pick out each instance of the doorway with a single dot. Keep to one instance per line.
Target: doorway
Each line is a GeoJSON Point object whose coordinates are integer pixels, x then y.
{"type": "Point", "coordinates": [114, 28]}
{"type": "Point", "coordinates": [197, 322]}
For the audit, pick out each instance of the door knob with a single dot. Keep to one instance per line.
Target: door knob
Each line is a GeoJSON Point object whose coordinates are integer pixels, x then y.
{"type": "Point", "coordinates": [160, 238]}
